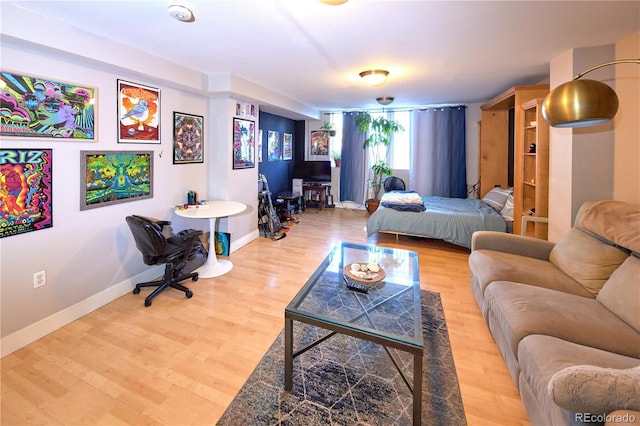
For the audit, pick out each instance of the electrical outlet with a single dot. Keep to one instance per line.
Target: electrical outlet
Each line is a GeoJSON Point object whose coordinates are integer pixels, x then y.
{"type": "Point", "coordinates": [39, 279]}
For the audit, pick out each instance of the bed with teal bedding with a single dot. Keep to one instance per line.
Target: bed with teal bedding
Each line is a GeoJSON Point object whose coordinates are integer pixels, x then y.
{"type": "Point", "coordinates": [450, 219]}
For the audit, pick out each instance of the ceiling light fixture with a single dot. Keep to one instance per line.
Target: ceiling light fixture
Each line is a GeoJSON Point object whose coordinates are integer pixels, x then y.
{"type": "Point", "coordinates": [334, 2]}
{"type": "Point", "coordinates": [385, 100]}
{"type": "Point", "coordinates": [582, 103]}
{"type": "Point", "coordinates": [181, 13]}
{"type": "Point", "coordinates": [374, 77]}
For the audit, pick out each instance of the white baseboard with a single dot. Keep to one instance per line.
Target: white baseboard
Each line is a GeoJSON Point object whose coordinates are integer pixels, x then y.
{"type": "Point", "coordinates": [243, 241]}
{"type": "Point", "coordinates": [37, 330]}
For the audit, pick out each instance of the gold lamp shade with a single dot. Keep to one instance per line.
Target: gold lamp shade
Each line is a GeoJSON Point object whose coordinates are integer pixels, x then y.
{"type": "Point", "coordinates": [580, 103]}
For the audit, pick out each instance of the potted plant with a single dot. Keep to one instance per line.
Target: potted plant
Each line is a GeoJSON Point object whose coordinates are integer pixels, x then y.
{"type": "Point", "coordinates": [379, 130]}
{"type": "Point", "coordinates": [336, 156]}
{"type": "Point", "coordinates": [327, 126]}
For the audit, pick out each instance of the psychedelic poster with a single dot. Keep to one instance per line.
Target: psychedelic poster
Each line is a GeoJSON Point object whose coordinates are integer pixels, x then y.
{"type": "Point", "coordinates": [275, 151]}
{"type": "Point", "coordinates": [25, 191]}
{"type": "Point", "coordinates": [110, 177]}
{"type": "Point", "coordinates": [138, 113]}
{"type": "Point", "coordinates": [42, 108]}
{"type": "Point", "coordinates": [244, 144]}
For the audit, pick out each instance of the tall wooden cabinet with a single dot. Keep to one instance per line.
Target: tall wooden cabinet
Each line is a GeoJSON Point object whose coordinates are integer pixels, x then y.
{"type": "Point", "coordinates": [531, 182]}
{"type": "Point", "coordinates": [502, 149]}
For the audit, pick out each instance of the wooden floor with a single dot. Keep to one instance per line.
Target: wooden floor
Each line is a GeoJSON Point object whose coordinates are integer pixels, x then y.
{"type": "Point", "coordinates": [181, 361]}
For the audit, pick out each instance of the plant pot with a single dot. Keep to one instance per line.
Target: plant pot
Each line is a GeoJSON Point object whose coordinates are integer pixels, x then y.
{"type": "Point", "coordinates": [372, 205]}
{"type": "Point", "coordinates": [332, 132]}
{"type": "Point", "coordinates": [337, 161]}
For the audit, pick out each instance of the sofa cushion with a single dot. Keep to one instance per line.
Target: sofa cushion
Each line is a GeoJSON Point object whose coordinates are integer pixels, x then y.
{"type": "Point", "coordinates": [615, 221]}
{"type": "Point", "coordinates": [586, 259]}
{"type": "Point", "coordinates": [521, 310]}
{"type": "Point", "coordinates": [621, 293]}
{"type": "Point", "coordinates": [591, 389]}
{"type": "Point", "coordinates": [543, 356]}
{"type": "Point", "coordinates": [488, 266]}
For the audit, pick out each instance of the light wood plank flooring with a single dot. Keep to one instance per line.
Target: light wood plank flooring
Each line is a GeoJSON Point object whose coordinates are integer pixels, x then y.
{"type": "Point", "coordinates": [181, 361]}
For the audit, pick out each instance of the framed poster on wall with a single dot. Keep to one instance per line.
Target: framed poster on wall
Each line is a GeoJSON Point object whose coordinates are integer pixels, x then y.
{"type": "Point", "coordinates": [274, 148]}
{"type": "Point", "coordinates": [318, 146]}
{"type": "Point", "coordinates": [113, 177]}
{"type": "Point", "coordinates": [287, 146]}
{"type": "Point", "coordinates": [244, 143]}
{"type": "Point", "coordinates": [188, 138]}
{"type": "Point", "coordinates": [39, 107]}
{"type": "Point", "coordinates": [25, 197]}
{"type": "Point", "coordinates": [138, 113]}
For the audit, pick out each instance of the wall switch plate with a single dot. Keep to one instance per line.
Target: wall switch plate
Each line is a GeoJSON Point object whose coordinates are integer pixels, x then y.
{"type": "Point", "coordinates": [39, 279]}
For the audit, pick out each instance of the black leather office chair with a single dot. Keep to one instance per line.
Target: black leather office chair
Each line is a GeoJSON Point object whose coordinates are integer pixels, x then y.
{"type": "Point", "coordinates": [393, 183]}
{"type": "Point", "coordinates": [181, 254]}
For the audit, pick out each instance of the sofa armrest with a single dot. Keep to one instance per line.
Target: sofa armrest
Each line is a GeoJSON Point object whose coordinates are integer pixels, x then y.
{"type": "Point", "coordinates": [596, 390]}
{"type": "Point", "coordinates": [510, 243]}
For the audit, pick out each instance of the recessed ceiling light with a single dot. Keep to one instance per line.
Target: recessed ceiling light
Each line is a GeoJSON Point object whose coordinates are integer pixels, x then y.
{"type": "Point", "coordinates": [334, 2]}
{"type": "Point", "coordinates": [385, 100]}
{"type": "Point", "coordinates": [181, 13]}
{"type": "Point", "coordinates": [374, 77]}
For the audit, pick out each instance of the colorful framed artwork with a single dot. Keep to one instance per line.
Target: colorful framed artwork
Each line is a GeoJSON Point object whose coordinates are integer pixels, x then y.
{"type": "Point", "coordinates": [138, 113]}
{"type": "Point", "coordinates": [112, 177]}
{"type": "Point", "coordinates": [188, 138]}
{"type": "Point", "coordinates": [223, 241]}
{"type": "Point", "coordinates": [37, 107]}
{"type": "Point", "coordinates": [287, 146]}
{"type": "Point", "coordinates": [244, 143]}
{"type": "Point", "coordinates": [318, 146]}
{"type": "Point", "coordinates": [25, 190]}
{"type": "Point", "coordinates": [275, 151]}
{"type": "Point", "coordinates": [260, 146]}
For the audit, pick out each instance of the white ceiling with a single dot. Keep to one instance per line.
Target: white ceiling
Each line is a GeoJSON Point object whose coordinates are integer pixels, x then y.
{"type": "Point", "coordinates": [438, 52]}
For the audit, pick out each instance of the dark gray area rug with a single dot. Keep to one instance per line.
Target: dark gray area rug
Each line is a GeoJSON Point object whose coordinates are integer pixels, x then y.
{"type": "Point", "coordinates": [348, 381]}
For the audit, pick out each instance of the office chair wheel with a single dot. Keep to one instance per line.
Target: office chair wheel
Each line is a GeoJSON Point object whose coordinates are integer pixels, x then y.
{"type": "Point", "coordinates": [189, 294]}
{"type": "Point", "coordinates": [147, 303]}
{"type": "Point", "coordinates": [195, 277]}
{"type": "Point", "coordinates": [136, 290]}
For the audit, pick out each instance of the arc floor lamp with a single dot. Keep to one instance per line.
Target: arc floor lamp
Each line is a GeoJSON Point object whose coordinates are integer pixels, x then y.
{"type": "Point", "coordinates": [582, 103]}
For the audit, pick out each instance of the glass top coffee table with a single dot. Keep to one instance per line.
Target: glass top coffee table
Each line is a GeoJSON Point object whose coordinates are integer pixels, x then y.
{"type": "Point", "coordinates": [389, 313]}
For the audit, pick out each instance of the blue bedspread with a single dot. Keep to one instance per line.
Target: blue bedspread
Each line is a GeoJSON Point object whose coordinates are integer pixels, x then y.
{"type": "Point", "coordinates": [450, 219]}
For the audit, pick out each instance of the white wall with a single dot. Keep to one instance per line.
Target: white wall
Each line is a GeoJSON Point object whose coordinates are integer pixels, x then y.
{"type": "Point", "coordinates": [473, 117]}
{"type": "Point", "coordinates": [626, 178]}
{"type": "Point", "coordinates": [87, 252]}
{"type": "Point", "coordinates": [89, 256]}
{"type": "Point", "coordinates": [599, 162]}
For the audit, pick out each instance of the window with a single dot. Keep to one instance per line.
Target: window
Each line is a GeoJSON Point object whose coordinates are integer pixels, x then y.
{"type": "Point", "coordinates": [400, 148]}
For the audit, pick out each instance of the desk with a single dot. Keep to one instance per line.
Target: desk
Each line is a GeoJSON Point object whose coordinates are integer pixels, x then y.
{"type": "Point", "coordinates": [212, 210]}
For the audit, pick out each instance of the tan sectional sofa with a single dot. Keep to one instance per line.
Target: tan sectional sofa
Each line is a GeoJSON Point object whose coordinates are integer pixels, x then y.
{"type": "Point", "coordinates": [566, 316]}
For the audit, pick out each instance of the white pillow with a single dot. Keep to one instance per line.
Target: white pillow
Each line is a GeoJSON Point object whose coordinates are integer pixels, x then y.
{"type": "Point", "coordinates": [497, 197]}
{"type": "Point", "coordinates": [507, 210]}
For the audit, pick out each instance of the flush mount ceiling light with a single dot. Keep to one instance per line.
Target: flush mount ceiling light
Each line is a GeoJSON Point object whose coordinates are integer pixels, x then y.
{"type": "Point", "coordinates": [181, 13]}
{"type": "Point", "coordinates": [582, 103]}
{"type": "Point", "coordinates": [374, 77]}
{"type": "Point", "coordinates": [334, 2]}
{"type": "Point", "coordinates": [385, 100]}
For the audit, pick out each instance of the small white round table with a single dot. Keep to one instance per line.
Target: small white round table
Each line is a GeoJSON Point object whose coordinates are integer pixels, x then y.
{"type": "Point", "coordinates": [212, 210]}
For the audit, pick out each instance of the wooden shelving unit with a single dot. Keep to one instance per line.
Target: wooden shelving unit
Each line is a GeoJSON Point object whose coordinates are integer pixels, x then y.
{"type": "Point", "coordinates": [496, 152]}
{"type": "Point", "coordinates": [504, 158]}
{"type": "Point", "coordinates": [531, 178]}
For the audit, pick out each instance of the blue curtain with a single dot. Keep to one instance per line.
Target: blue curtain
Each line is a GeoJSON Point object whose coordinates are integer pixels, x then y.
{"type": "Point", "coordinates": [438, 152]}
{"type": "Point", "coordinates": [353, 170]}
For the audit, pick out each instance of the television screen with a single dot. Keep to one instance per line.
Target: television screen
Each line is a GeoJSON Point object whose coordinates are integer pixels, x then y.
{"type": "Point", "coordinates": [313, 171]}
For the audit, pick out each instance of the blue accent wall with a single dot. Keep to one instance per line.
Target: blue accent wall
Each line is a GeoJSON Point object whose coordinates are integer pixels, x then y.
{"type": "Point", "coordinates": [279, 173]}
